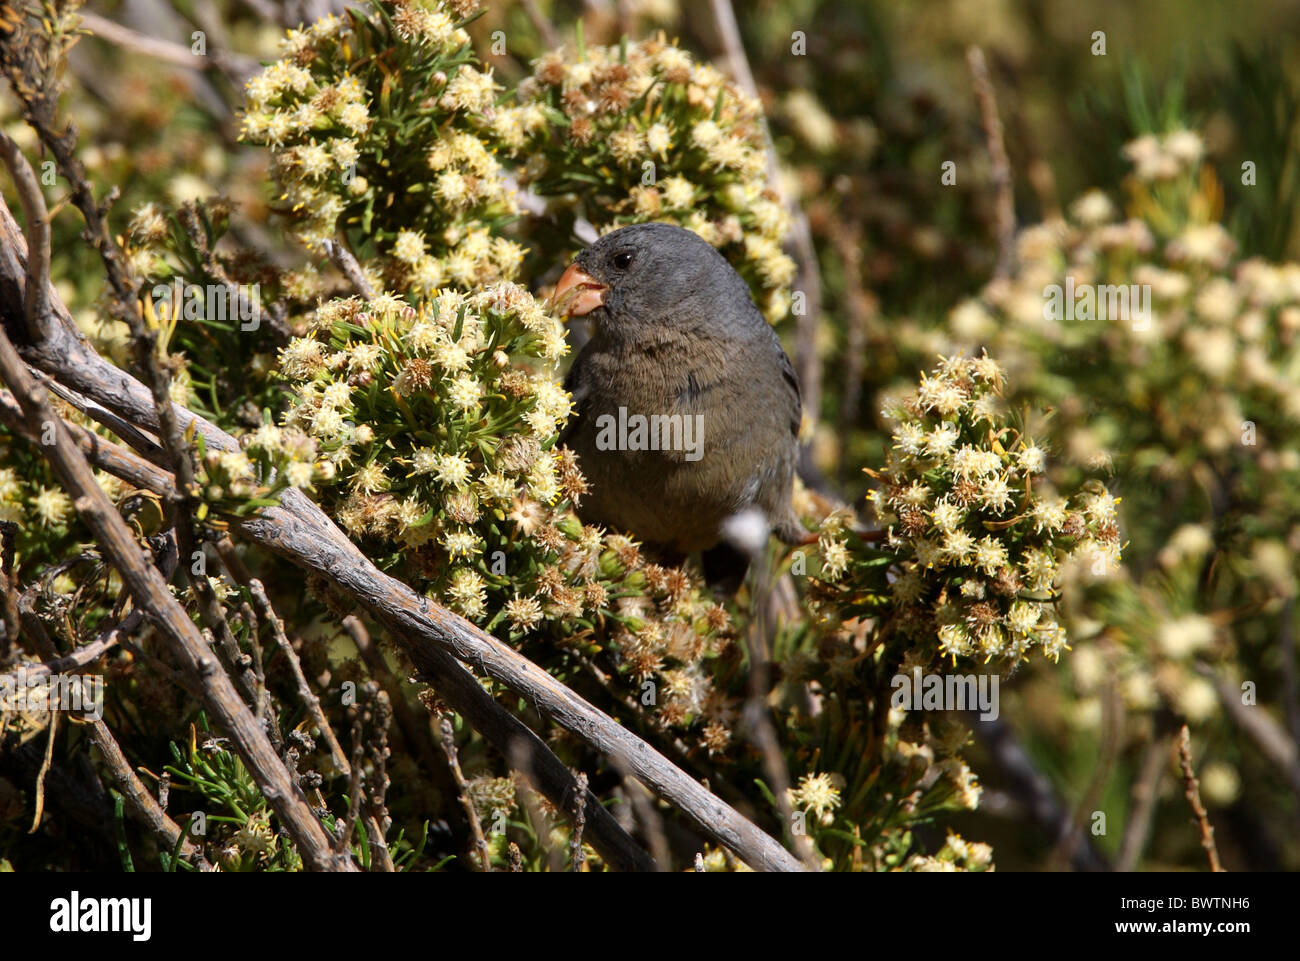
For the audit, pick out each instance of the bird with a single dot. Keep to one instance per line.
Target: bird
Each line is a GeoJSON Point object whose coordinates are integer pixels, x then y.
{"type": "Point", "coordinates": [686, 408]}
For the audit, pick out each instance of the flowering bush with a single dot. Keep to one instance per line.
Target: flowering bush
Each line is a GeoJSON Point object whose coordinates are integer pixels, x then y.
{"type": "Point", "coordinates": [976, 549]}
{"type": "Point", "coordinates": [442, 448]}
{"type": "Point", "coordinates": [641, 132]}
{"type": "Point", "coordinates": [1203, 439]}
{"type": "Point", "coordinates": [405, 168]}
{"type": "Point", "coordinates": [1096, 512]}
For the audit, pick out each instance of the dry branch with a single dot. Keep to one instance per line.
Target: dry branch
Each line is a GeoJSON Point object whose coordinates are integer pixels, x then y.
{"type": "Point", "coordinates": [342, 258]}
{"type": "Point", "coordinates": [39, 95]}
{"type": "Point", "coordinates": [448, 740]}
{"type": "Point", "coordinates": [299, 530]}
{"type": "Point", "coordinates": [1270, 736]}
{"type": "Point", "coordinates": [1192, 789]}
{"type": "Point", "coordinates": [36, 294]}
{"type": "Point", "coordinates": [305, 692]}
{"type": "Point", "coordinates": [142, 805]}
{"type": "Point", "coordinates": [150, 593]}
{"type": "Point", "coordinates": [9, 593]}
{"type": "Point", "coordinates": [1145, 793]}
{"type": "Point", "coordinates": [576, 856]}
{"type": "Point", "coordinates": [235, 65]}
{"type": "Point", "coordinates": [1004, 194]}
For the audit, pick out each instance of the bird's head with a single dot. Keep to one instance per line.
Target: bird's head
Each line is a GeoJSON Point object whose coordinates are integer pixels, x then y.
{"type": "Point", "coordinates": [648, 274]}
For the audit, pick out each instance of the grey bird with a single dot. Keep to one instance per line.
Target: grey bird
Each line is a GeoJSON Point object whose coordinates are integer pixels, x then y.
{"type": "Point", "coordinates": [680, 360]}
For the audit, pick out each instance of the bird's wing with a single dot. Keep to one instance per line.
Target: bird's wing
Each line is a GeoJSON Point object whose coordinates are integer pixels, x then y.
{"type": "Point", "coordinates": [791, 379]}
{"type": "Point", "coordinates": [577, 387]}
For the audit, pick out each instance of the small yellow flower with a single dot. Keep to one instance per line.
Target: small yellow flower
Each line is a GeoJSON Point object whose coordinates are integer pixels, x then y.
{"type": "Point", "coordinates": [52, 506]}
{"type": "Point", "coordinates": [816, 793]}
{"type": "Point", "coordinates": [523, 613]}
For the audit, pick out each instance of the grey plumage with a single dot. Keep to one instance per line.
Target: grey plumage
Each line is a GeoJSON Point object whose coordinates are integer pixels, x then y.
{"type": "Point", "coordinates": [677, 333]}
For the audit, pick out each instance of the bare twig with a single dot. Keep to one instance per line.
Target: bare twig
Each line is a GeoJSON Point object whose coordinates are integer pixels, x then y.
{"type": "Point", "coordinates": [1192, 789]}
{"type": "Point", "coordinates": [237, 664]}
{"type": "Point", "coordinates": [462, 792]}
{"type": "Point", "coordinates": [39, 805]}
{"type": "Point", "coordinates": [1004, 194]}
{"type": "Point", "coordinates": [377, 819]}
{"type": "Point", "coordinates": [262, 701]}
{"type": "Point", "coordinates": [139, 801]}
{"type": "Point", "coordinates": [344, 839]}
{"type": "Point", "coordinates": [652, 824]}
{"type": "Point", "coordinates": [104, 454]}
{"type": "Point", "coordinates": [539, 819]}
{"type": "Point", "coordinates": [381, 859]}
{"type": "Point", "coordinates": [84, 655]}
{"type": "Point", "coordinates": [1145, 792]}
{"type": "Point", "coordinates": [419, 741]}
{"type": "Point", "coordinates": [231, 561]}
{"type": "Point", "coordinates": [38, 92]}
{"type": "Point", "coordinates": [527, 752]}
{"type": "Point", "coordinates": [305, 692]}
{"type": "Point", "coordinates": [9, 588]}
{"type": "Point", "coordinates": [342, 258]}
{"type": "Point", "coordinates": [41, 110]}
{"type": "Point", "coordinates": [576, 857]}
{"type": "Point", "coordinates": [459, 688]}
{"type": "Point", "coordinates": [733, 47]}
{"type": "Point", "coordinates": [756, 712]}
{"type": "Point", "coordinates": [241, 304]}
{"type": "Point", "coordinates": [235, 65]}
{"type": "Point", "coordinates": [1033, 790]}
{"type": "Point", "coordinates": [1270, 736]}
{"type": "Point", "coordinates": [143, 444]}
{"type": "Point", "coordinates": [36, 294]}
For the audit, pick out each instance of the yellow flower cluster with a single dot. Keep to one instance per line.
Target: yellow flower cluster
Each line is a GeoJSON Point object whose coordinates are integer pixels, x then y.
{"type": "Point", "coordinates": [957, 854]}
{"type": "Point", "coordinates": [977, 536]}
{"type": "Point", "coordinates": [240, 482]}
{"type": "Point", "coordinates": [672, 139]}
{"type": "Point", "coordinates": [817, 794]}
{"type": "Point", "coordinates": [19, 504]}
{"type": "Point", "coordinates": [433, 384]}
{"type": "Point", "coordinates": [439, 422]}
{"type": "Point", "coordinates": [1221, 337]}
{"type": "Point", "coordinates": [404, 167]}
{"type": "Point", "coordinates": [1194, 377]}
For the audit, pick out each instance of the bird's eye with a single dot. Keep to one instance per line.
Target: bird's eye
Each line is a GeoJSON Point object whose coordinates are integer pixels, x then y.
{"type": "Point", "coordinates": [623, 259]}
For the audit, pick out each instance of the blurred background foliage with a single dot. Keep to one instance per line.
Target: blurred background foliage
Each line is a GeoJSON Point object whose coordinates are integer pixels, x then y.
{"type": "Point", "coordinates": [861, 124]}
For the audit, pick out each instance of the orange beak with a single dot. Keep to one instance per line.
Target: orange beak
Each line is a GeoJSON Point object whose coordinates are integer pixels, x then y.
{"type": "Point", "coordinates": [582, 292]}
